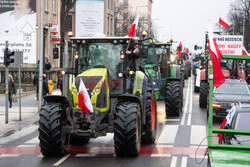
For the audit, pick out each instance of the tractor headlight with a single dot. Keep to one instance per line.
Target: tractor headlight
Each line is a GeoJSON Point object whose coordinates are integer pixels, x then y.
{"type": "Point", "coordinates": [74, 90]}
{"type": "Point", "coordinates": [131, 72]}
{"type": "Point", "coordinates": [172, 58]}
{"type": "Point", "coordinates": [97, 90]}
{"type": "Point", "coordinates": [154, 83]}
{"type": "Point", "coordinates": [92, 93]}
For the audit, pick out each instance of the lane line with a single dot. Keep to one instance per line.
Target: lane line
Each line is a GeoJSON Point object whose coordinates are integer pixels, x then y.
{"type": "Point", "coordinates": [62, 160]}
{"type": "Point", "coordinates": [27, 145]}
{"type": "Point", "coordinates": [160, 155]}
{"type": "Point", "coordinates": [198, 133]}
{"type": "Point", "coordinates": [168, 134]}
{"type": "Point", "coordinates": [85, 155]}
{"type": "Point", "coordinates": [173, 161]}
{"type": "Point", "coordinates": [186, 103]}
{"type": "Point", "coordinates": [19, 134]}
{"type": "Point", "coordinates": [190, 105]}
{"type": "Point", "coordinates": [9, 155]}
{"type": "Point", "coordinates": [35, 140]}
{"type": "Point", "coordinates": [172, 120]}
{"type": "Point", "coordinates": [184, 161]}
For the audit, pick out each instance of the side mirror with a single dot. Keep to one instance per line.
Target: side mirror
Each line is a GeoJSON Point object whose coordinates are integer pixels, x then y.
{"type": "Point", "coordinates": [144, 51]}
{"type": "Point", "coordinates": [155, 68]}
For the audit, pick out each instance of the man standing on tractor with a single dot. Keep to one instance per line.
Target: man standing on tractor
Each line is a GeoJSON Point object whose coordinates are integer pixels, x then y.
{"type": "Point", "coordinates": [133, 54]}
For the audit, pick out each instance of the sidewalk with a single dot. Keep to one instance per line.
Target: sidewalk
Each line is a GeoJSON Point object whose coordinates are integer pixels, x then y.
{"type": "Point", "coordinates": [29, 113]}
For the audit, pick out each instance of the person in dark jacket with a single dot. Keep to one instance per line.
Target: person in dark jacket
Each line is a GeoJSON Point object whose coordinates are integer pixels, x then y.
{"type": "Point", "coordinates": [133, 54]}
{"type": "Point", "coordinates": [45, 89]}
{"type": "Point", "coordinates": [12, 89]}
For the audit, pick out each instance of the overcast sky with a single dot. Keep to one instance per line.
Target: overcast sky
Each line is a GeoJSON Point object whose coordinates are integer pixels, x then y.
{"type": "Point", "coordinates": [187, 20]}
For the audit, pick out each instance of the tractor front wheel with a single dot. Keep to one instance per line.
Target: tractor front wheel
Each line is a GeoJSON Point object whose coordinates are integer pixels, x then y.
{"type": "Point", "coordinates": [151, 120]}
{"type": "Point", "coordinates": [127, 129]}
{"type": "Point", "coordinates": [52, 140]}
{"type": "Point", "coordinates": [173, 98]}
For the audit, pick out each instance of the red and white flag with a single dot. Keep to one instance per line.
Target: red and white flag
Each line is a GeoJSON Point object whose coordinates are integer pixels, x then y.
{"type": "Point", "coordinates": [134, 26]}
{"type": "Point", "coordinates": [84, 101]}
{"type": "Point", "coordinates": [216, 56]}
{"type": "Point", "coordinates": [223, 23]}
{"type": "Point", "coordinates": [244, 52]}
{"type": "Point", "coordinates": [227, 121]}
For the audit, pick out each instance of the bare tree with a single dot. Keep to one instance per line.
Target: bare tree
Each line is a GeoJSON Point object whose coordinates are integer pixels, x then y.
{"type": "Point", "coordinates": [66, 6]}
{"type": "Point", "coordinates": [239, 17]}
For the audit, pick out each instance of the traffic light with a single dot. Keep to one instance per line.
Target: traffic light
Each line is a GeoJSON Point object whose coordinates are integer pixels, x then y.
{"type": "Point", "coordinates": [195, 47]}
{"type": "Point", "coordinates": [55, 53]}
{"type": "Point", "coordinates": [7, 57]}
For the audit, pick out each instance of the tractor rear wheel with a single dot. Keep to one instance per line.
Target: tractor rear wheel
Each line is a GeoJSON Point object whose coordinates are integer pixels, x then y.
{"type": "Point", "coordinates": [204, 88]}
{"type": "Point", "coordinates": [186, 73]}
{"type": "Point", "coordinates": [173, 98]}
{"type": "Point", "coordinates": [52, 141]}
{"type": "Point", "coordinates": [151, 120]}
{"type": "Point", "coordinates": [127, 129]}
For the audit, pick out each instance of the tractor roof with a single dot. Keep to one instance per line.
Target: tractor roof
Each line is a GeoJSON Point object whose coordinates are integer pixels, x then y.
{"type": "Point", "coordinates": [115, 40]}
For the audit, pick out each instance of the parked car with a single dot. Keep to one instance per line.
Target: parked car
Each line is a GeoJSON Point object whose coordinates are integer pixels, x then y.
{"type": "Point", "coordinates": [231, 91]}
{"type": "Point", "coordinates": [240, 121]}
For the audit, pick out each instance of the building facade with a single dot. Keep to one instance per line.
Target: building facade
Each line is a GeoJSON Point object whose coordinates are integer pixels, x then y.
{"type": "Point", "coordinates": [127, 10]}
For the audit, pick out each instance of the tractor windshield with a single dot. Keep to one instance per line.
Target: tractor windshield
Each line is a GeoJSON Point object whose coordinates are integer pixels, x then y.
{"type": "Point", "coordinates": [103, 55]}
{"type": "Point", "coordinates": [152, 58]}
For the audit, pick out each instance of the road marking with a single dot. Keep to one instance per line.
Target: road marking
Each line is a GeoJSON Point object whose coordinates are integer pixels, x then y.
{"type": "Point", "coordinates": [168, 134]}
{"type": "Point", "coordinates": [33, 141]}
{"type": "Point", "coordinates": [62, 160]}
{"type": "Point", "coordinates": [19, 134]}
{"type": "Point", "coordinates": [27, 145]}
{"type": "Point", "coordinates": [164, 145]}
{"type": "Point", "coordinates": [85, 155]}
{"type": "Point", "coordinates": [186, 104]}
{"type": "Point", "coordinates": [184, 161]}
{"type": "Point", "coordinates": [9, 155]}
{"type": "Point", "coordinates": [198, 133]}
{"type": "Point", "coordinates": [172, 120]}
{"type": "Point", "coordinates": [160, 155]}
{"type": "Point", "coordinates": [173, 161]}
{"type": "Point", "coordinates": [190, 103]}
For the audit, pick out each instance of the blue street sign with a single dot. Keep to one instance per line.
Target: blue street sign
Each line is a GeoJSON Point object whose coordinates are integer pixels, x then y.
{"type": "Point", "coordinates": [199, 47]}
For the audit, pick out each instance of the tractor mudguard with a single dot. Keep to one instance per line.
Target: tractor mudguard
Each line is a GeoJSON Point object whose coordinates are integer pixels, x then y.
{"type": "Point", "coordinates": [134, 98]}
{"type": "Point", "coordinates": [57, 99]}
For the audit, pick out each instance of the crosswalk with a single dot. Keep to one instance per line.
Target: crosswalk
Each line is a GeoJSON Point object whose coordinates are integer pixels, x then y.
{"type": "Point", "coordinates": [166, 146]}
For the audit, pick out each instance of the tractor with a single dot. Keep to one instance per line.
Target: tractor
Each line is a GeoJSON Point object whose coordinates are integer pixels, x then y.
{"type": "Point", "coordinates": [123, 100]}
{"type": "Point", "coordinates": [168, 77]}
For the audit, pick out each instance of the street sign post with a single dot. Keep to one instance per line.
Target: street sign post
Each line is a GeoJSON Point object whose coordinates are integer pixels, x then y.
{"type": "Point", "coordinates": [19, 57]}
{"type": "Point", "coordinates": [6, 88]}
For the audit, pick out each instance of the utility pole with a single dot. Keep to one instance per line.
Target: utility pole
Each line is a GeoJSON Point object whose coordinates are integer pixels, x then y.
{"type": "Point", "coordinates": [6, 88]}
{"type": "Point", "coordinates": [65, 67]}
{"type": "Point", "coordinates": [41, 57]}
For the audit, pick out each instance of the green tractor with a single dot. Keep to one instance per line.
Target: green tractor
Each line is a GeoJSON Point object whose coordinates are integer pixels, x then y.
{"type": "Point", "coordinates": [123, 100]}
{"type": "Point", "coordinates": [168, 78]}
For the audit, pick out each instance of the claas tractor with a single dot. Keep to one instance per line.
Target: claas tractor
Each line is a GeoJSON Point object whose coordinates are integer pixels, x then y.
{"type": "Point", "coordinates": [123, 100]}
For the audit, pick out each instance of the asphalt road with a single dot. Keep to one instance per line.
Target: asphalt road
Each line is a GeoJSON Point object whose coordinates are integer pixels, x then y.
{"type": "Point", "coordinates": [176, 145]}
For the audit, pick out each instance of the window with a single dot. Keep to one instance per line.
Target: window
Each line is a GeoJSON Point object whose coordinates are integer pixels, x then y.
{"type": "Point", "coordinates": [54, 6]}
{"type": "Point", "coordinates": [46, 5]}
{"type": "Point", "coordinates": [125, 3]}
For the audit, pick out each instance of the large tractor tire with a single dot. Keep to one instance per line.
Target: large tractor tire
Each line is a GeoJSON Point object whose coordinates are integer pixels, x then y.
{"type": "Point", "coordinates": [52, 141]}
{"type": "Point", "coordinates": [185, 73]}
{"type": "Point", "coordinates": [127, 129]}
{"type": "Point", "coordinates": [204, 88]}
{"type": "Point", "coordinates": [196, 88]}
{"type": "Point", "coordinates": [150, 128]}
{"type": "Point", "coordinates": [173, 98]}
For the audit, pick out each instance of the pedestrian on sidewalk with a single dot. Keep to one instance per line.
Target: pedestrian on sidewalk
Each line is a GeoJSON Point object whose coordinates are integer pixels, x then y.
{"type": "Point", "coordinates": [50, 86]}
{"type": "Point", "coordinates": [12, 89]}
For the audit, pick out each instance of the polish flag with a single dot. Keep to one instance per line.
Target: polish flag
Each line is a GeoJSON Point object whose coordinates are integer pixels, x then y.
{"type": "Point", "coordinates": [134, 26]}
{"type": "Point", "coordinates": [84, 101]}
{"type": "Point", "coordinates": [223, 23]}
{"type": "Point", "coordinates": [216, 56]}
{"type": "Point", "coordinates": [227, 121]}
{"type": "Point", "coordinates": [244, 52]}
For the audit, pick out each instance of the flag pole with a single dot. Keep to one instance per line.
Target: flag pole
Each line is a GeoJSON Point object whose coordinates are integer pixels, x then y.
{"type": "Point", "coordinates": [129, 43]}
